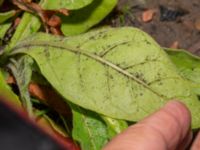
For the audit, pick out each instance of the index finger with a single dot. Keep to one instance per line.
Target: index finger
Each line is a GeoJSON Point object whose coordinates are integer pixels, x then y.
{"type": "Point", "coordinates": [165, 129]}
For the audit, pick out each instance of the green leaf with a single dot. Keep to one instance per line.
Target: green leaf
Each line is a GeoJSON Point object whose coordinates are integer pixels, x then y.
{"type": "Point", "coordinates": [119, 72]}
{"type": "Point", "coordinates": [22, 71]}
{"type": "Point", "coordinates": [29, 24]}
{"type": "Point", "coordinates": [81, 20]}
{"type": "Point", "coordinates": [46, 120]}
{"type": "Point", "coordinates": [114, 126]}
{"type": "Point", "coordinates": [6, 15]}
{"type": "Point", "coordinates": [88, 129]}
{"type": "Point", "coordinates": [68, 4]}
{"type": "Point", "coordinates": [188, 66]}
{"type": "Point", "coordinates": [7, 92]}
{"type": "Point", "coordinates": [3, 29]}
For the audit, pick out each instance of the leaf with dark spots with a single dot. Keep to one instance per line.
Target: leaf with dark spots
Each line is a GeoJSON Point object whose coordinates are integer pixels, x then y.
{"type": "Point", "coordinates": [83, 76]}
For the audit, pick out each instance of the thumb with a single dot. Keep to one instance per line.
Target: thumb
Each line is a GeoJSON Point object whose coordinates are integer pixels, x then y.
{"type": "Point", "coordinates": [165, 129]}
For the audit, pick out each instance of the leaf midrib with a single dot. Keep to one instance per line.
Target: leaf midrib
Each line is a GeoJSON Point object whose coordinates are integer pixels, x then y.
{"type": "Point", "coordinates": [90, 55]}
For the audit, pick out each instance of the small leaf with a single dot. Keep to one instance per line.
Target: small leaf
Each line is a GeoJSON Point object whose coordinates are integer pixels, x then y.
{"type": "Point", "coordinates": [88, 129]}
{"type": "Point", "coordinates": [68, 4]}
{"type": "Point", "coordinates": [7, 92]}
{"type": "Point", "coordinates": [6, 15]}
{"type": "Point", "coordinates": [57, 132]}
{"type": "Point", "coordinates": [3, 29]}
{"type": "Point", "coordinates": [114, 126]}
{"type": "Point", "coordinates": [22, 72]}
{"type": "Point", "coordinates": [188, 66]}
{"type": "Point", "coordinates": [81, 20]}
{"type": "Point", "coordinates": [50, 126]}
{"type": "Point", "coordinates": [119, 72]}
{"type": "Point", "coordinates": [29, 24]}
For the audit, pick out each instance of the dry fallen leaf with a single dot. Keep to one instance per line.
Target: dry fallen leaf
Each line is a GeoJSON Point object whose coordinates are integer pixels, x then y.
{"type": "Point", "coordinates": [175, 45]}
{"type": "Point", "coordinates": [148, 15]}
{"type": "Point", "coordinates": [195, 47]}
{"type": "Point", "coordinates": [197, 24]}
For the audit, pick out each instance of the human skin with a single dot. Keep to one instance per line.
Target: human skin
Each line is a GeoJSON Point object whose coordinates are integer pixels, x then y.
{"type": "Point", "coordinates": [166, 129]}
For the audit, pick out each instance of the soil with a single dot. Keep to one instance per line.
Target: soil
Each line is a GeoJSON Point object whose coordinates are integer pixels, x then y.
{"type": "Point", "coordinates": [174, 23]}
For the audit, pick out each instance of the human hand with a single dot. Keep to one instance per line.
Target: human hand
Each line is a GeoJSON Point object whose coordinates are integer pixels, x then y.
{"type": "Point", "coordinates": [167, 129]}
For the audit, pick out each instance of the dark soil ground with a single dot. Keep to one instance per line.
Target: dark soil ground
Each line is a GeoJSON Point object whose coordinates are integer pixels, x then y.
{"type": "Point", "coordinates": [175, 23]}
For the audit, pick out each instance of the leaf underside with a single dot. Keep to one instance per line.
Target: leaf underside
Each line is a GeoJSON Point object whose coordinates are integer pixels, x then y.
{"type": "Point", "coordinates": [121, 72]}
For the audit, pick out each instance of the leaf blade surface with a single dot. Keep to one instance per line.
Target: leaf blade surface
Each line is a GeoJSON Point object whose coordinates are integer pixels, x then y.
{"type": "Point", "coordinates": [121, 73]}
{"type": "Point", "coordinates": [68, 4]}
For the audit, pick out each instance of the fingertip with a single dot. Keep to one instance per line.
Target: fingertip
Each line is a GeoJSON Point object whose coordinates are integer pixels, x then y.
{"type": "Point", "coordinates": [178, 105]}
{"type": "Point", "coordinates": [180, 111]}
{"type": "Point", "coordinates": [165, 129]}
{"type": "Point", "coordinates": [172, 121]}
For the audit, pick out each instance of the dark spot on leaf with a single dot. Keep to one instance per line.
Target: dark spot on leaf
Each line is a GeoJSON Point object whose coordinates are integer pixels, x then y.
{"type": "Point", "coordinates": [110, 76]}
{"type": "Point", "coordinates": [78, 46]}
{"type": "Point", "coordinates": [91, 38]}
{"type": "Point", "coordinates": [46, 52]}
{"type": "Point", "coordinates": [147, 42]}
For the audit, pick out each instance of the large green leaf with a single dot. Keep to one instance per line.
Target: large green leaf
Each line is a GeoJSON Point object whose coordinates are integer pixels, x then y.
{"type": "Point", "coordinates": [6, 15]}
{"type": "Point", "coordinates": [81, 20]}
{"type": "Point", "coordinates": [7, 92]}
{"type": "Point", "coordinates": [188, 66]}
{"type": "Point", "coordinates": [68, 4]}
{"type": "Point", "coordinates": [88, 129]}
{"type": "Point", "coordinates": [121, 73]}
